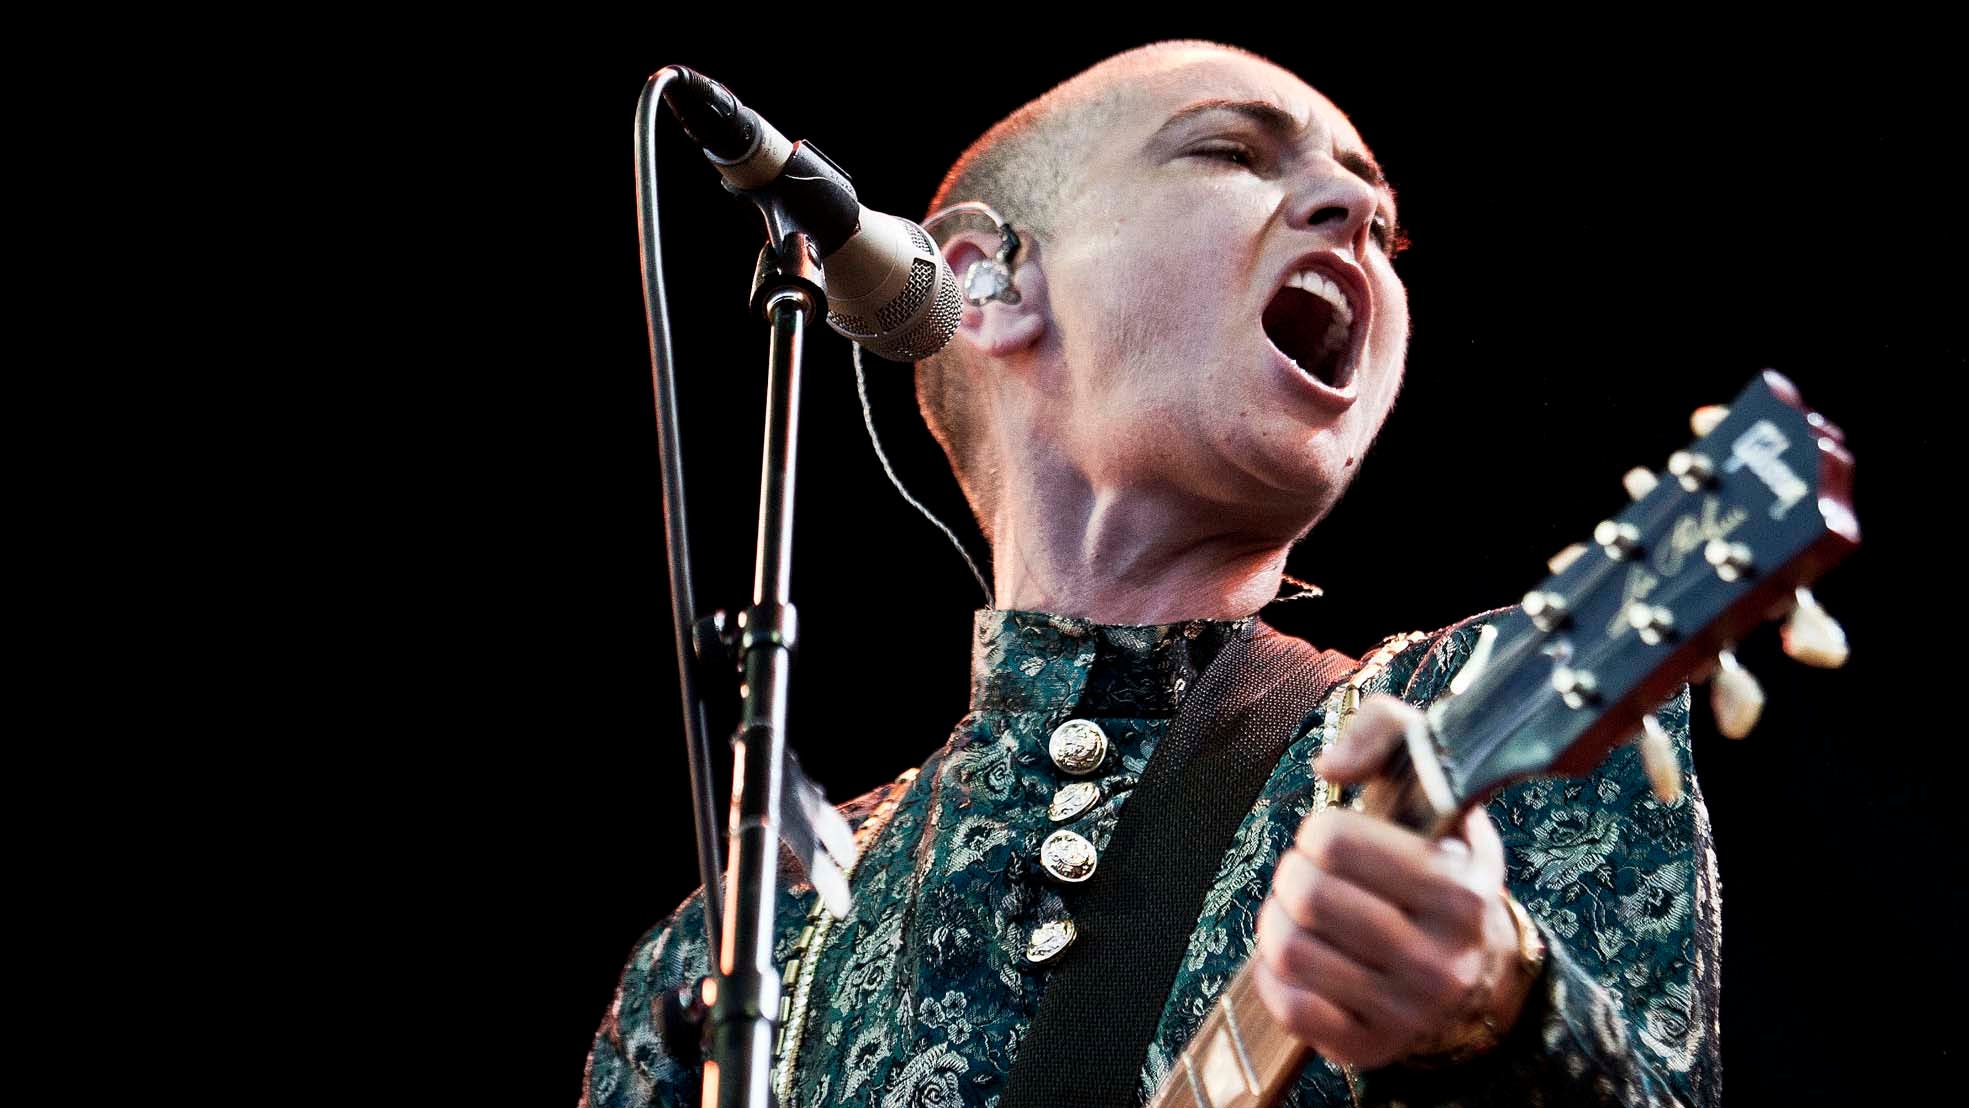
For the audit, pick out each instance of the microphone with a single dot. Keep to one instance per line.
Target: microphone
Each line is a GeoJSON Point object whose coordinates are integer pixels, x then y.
{"type": "Point", "coordinates": [888, 286]}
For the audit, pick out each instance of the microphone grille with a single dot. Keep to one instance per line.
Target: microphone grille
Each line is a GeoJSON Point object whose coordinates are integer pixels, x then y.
{"type": "Point", "coordinates": [922, 275]}
{"type": "Point", "coordinates": [903, 324]}
{"type": "Point", "coordinates": [933, 333]}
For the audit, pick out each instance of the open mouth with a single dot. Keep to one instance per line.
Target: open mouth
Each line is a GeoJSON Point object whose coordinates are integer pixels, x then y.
{"type": "Point", "coordinates": [1311, 321]}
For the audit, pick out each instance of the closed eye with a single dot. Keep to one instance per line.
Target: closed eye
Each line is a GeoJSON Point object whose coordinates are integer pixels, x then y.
{"type": "Point", "coordinates": [1388, 235]}
{"type": "Point", "coordinates": [1234, 153]}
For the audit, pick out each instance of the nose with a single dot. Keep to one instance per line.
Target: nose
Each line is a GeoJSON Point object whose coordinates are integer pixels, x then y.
{"type": "Point", "coordinates": [1334, 202]}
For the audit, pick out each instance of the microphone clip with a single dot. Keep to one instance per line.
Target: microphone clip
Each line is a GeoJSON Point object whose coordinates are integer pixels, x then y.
{"type": "Point", "coordinates": [789, 264]}
{"type": "Point", "coordinates": [813, 185]}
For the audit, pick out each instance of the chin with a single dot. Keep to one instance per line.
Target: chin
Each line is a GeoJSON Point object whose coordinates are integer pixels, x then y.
{"type": "Point", "coordinates": [1283, 469]}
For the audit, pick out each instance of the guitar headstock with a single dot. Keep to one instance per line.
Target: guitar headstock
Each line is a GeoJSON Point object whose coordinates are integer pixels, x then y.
{"type": "Point", "coordinates": [1726, 536]}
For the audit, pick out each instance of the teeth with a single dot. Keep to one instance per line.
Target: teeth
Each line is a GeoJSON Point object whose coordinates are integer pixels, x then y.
{"type": "Point", "coordinates": [1323, 287]}
{"type": "Point", "coordinates": [1343, 313]}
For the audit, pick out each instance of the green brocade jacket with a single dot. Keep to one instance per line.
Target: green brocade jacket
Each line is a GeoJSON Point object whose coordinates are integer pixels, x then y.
{"type": "Point", "coordinates": [920, 997]}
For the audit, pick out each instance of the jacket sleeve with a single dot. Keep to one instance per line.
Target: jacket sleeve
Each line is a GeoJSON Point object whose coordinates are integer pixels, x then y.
{"type": "Point", "coordinates": [1623, 890]}
{"type": "Point", "coordinates": [629, 1066]}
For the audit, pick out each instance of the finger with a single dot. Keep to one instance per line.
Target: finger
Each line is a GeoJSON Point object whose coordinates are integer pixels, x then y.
{"type": "Point", "coordinates": [1367, 928]}
{"type": "Point", "coordinates": [1486, 849]}
{"type": "Point", "coordinates": [1310, 1017]}
{"type": "Point", "coordinates": [1304, 960]}
{"type": "Point", "coordinates": [1319, 1023]}
{"type": "Point", "coordinates": [1375, 731]}
{"type": "Point", "coordinates": [1436, 883]}
{"type": "Point", "coordinates": [1433, 975]}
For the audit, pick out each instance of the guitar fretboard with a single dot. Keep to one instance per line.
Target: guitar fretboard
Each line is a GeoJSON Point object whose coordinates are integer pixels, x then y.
{"type": "Point", "coordinates": [1240, 1058]}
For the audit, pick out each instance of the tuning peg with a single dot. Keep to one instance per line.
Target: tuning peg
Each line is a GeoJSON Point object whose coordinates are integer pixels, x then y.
{"type": "Point", "coordinates": [1639, 482]}
{"type": "Point", "coordinates": [1692, 468]}
{"type": "Point", "coordinates": [1557, 563]}
{"type": "Point", "coordinates": [1735, 696]}
{"type": "Point", "coordinates": [1812, 637]}
{"type": "Point", "coordinates": [1620, 541]}
{"type": "Point", "coordinates": [1546, 609]}
{"type": "Point", "coordinates": [1731, 559]}
{"type": "Point", "coordinates": [1658, 757]}
{"type": "Point", "coordinates": [1705, 418]}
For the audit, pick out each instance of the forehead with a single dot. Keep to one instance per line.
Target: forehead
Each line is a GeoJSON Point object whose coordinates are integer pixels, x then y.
{"type": "Point", "coordinates": [1167, 85]}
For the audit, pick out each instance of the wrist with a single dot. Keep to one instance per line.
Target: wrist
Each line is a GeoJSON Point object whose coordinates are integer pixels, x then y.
{"type": "Point", "coordinates": [1495, 1004]}
{"type": "Point", "coordinates": [1522, 969]}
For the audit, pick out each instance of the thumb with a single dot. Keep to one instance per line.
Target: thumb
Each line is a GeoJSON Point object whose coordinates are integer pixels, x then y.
{"type": "Point", "coordinates": [1375, 732]}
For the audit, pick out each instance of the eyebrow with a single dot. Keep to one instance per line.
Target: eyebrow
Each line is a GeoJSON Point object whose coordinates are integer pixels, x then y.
{"type": "Point", "coordinates": [1281, 125]}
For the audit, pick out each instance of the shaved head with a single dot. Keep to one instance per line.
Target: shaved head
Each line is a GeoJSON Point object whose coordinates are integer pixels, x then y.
{"type": "Point", "coordinates": [1025, 167]}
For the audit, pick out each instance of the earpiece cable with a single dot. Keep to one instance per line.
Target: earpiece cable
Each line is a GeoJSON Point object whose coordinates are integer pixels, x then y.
{"type": "Point", "coordinates": [868, 421]}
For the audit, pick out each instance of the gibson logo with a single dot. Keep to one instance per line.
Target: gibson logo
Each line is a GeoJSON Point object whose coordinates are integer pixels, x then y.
{"type": "Point", "coordinates": [1758, 449]}
{"type": "Point", "coordinates": [1638, 585]}
{"type": "Point", "coordinates": [1691, 532]}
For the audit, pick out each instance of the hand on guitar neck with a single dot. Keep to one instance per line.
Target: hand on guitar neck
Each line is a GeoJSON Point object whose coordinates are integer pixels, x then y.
{"type": "Point", "coordinates": [1385, 939]}
{"type": "Point", "coordinates": [1380, 943]}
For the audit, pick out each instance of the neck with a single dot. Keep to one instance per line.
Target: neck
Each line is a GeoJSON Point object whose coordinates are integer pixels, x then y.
{"type": "Point", "coordinates": [1131, 554]}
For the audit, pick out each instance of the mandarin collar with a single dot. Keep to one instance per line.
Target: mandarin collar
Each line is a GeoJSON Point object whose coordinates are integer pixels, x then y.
{"type": "Point", "coordinates": [1069, 666]}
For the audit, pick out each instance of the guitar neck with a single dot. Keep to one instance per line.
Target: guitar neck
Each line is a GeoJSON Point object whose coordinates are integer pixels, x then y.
{"type": "Point", "coordinates": [1744, 518]}
{"type": "Point", "coordinates": [1240, 1058]}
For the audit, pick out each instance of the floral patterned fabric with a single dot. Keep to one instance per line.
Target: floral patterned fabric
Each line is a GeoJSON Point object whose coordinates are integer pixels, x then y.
{"type": "Point", "coordinates": [920, 997]}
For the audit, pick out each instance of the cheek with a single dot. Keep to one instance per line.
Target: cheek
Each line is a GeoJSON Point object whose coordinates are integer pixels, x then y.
{"type": "Point", "coordinates": [1143, 311]}
{"type": "Point", "coordinates": [1183, 277]}
{"type": "Point", "coordinates": [1388, 342]}
{"type": "Point", "coordinates": [1210, 239]}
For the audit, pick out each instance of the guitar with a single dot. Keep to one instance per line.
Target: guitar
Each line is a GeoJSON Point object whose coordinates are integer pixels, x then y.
{"type": "Point", "coordinates": [1727, 537]}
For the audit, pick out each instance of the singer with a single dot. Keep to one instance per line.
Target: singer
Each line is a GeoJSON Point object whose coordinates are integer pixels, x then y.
{"type": "Point", "coordinates": [1172, 380]}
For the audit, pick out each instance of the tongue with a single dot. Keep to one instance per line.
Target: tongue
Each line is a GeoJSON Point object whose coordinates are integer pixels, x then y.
{"type": "Point", "coordinates": [1296, 322]}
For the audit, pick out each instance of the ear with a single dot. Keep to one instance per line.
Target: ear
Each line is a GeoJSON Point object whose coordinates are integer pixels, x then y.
{"type": "Point", "coordinates": [999, 329]}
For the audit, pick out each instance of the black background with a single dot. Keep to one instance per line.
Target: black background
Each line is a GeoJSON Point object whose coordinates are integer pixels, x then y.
{"type": "Point", "coordinates": [1610, 227]}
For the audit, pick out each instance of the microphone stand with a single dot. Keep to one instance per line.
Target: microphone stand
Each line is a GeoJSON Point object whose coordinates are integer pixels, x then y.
{"type": "Point", "coordinates": [743, 992]}
{"type": "Point", "coordinates": [747, 1006]}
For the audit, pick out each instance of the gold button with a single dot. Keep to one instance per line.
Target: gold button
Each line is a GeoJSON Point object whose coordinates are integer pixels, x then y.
{"type": "Point", "coordinates": [1078, 746]}
{"type": "Point", "coordinates": [1067, 856]}
{"type": "Point", "coordinates": [1073, 799]}
{"type": "Point", "coordinates": [1048, 939]}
